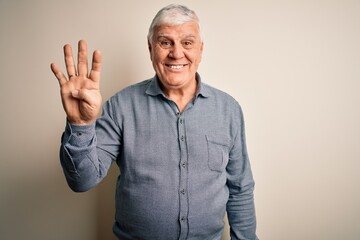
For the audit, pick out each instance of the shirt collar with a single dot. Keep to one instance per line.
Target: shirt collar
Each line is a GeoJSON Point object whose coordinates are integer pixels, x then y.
{"type": "Point", "coordinates": [154, 88]}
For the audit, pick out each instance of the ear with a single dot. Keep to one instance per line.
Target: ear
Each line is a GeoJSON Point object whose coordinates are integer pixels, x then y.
{"type": "Point", "coordinates": [201, 51]}
{"type": "Point", "coordinates": [149, 46]}
{"type": "Point", "coordinates": [150, 49]}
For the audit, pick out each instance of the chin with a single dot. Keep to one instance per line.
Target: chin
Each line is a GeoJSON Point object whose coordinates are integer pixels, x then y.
{"type": "Point", "coordinates": [175, 80]}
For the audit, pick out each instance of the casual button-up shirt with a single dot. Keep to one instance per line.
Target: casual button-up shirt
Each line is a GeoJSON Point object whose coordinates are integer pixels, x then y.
{"type": "Point", "coordinates": [180, 171]}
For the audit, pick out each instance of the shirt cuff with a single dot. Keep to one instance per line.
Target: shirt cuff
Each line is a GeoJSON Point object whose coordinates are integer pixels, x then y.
{"type": "Point", "coordinates": [78, 135]}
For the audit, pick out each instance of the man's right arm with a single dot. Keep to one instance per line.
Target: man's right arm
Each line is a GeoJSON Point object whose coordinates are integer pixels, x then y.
{"type": "Point", "coordinates": [87, 151]}
{"type": "Point", "coordinates": [81, 99]}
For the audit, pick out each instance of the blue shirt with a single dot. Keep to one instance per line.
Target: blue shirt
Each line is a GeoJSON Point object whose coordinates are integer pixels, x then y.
{"type": "Point", "coordinates": [180, 171]}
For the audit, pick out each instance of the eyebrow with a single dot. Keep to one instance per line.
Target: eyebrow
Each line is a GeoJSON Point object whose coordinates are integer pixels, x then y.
{"type": "Point", "coordinates": [162, 35]}
{"type": "Point", "coordinates": [167, 35]}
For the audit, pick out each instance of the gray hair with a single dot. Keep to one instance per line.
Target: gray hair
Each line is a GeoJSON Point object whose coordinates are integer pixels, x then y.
{"type": "Point", "coordinates": [172, 14]}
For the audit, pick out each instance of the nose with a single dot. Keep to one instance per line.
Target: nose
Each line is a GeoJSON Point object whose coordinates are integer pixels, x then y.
{"type": "Point", "coordinates": [177, 51]}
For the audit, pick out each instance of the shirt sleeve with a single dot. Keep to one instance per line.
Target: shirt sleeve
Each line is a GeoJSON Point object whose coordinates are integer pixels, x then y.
{"type": "Point", "coordinates": [86, 152]}
{"type": "Point", "coordinates": [240, 206]}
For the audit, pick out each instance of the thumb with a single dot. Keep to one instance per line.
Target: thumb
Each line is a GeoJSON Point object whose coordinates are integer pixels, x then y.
{"type": "Point", "coordinates": [80, 94]}
{"type": "Point", "coordinates": [75, 94]}
{"type": "Point", "coordinates": [86, 96]}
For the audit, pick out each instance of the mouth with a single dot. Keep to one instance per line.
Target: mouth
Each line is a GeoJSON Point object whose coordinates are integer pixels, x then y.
{"type": "Point", "coordinates": [176, 66]}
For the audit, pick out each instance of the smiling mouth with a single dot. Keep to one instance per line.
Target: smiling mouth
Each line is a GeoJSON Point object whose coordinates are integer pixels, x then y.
{"type": "Point", "coordinates": [176, 66]}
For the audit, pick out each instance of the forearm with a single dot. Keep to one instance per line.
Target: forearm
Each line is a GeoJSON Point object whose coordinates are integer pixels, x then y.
{"type": "Point", "coordinates": [79, 158]}
{"type": "Point", "coordinates": [240, 206]}
{"type": "Point", "coordinates": [241, 213]}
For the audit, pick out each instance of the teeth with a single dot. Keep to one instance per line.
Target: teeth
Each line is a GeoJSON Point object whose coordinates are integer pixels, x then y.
{"type": "Point", "coordinates": [176, 66]}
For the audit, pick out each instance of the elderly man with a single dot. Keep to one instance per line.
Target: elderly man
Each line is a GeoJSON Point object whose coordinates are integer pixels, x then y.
{"type": "Point", "coordinates": [179, 143]}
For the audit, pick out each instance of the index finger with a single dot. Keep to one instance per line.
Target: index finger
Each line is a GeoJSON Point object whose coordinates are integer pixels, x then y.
{"type": "Point", "coordinates": [96, 66]}
{"type": "Point", "coordinates": [69, 60]}
{"type": "Point", "coordinates": [58, 74]}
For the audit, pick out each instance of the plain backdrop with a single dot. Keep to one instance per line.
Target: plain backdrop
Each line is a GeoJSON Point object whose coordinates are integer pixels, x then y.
{"type": "Point", "coordinates": [293, 65]}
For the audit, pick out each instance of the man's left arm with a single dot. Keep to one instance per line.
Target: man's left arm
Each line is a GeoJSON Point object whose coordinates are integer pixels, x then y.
{"type": "Point", "coordinates": [240, 206]}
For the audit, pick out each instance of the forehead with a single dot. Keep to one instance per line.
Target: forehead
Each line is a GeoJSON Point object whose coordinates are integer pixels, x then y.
{"type": "Point", "coordinates": [185, 30]}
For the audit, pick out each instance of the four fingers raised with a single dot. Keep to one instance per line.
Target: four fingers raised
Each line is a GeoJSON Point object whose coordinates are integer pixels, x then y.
{"type": "Point", "coordinates": [82, 66]}
{"type": "Point", "coordinates": [84, 105]}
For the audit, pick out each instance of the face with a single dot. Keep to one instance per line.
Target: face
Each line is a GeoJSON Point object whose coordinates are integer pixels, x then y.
{"type": "Point", "coordinates": [175, 53]}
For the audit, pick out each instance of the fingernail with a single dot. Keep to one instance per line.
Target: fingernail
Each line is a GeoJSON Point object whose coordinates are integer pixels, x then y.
{"type": "Point", "coordinates": [75, 93]}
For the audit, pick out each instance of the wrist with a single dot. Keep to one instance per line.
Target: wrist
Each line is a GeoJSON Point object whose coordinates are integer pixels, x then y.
{"type": "Point", "coordinates": [80, 122]}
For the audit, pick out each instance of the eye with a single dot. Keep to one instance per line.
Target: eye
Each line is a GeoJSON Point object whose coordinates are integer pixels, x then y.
{"type": "Point", "coordinates": [187, 44]}
{"type": "Point", "coordinates": [165, 44]}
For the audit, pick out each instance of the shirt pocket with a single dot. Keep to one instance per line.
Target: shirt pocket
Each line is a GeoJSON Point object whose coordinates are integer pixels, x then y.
{"type": "Point", "coordinates": [218, 152]}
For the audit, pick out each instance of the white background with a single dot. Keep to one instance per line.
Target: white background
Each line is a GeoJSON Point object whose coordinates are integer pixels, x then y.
{"type": "Point", "coordinates": [292, 65]}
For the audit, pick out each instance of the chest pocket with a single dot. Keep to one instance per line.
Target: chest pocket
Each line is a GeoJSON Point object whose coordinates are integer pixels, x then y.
{"type": "Point", "coordinates": [218, 152]}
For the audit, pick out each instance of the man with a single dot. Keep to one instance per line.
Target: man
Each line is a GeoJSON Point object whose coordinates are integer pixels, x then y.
{"type": "Point", "coordinates": [179, 143]}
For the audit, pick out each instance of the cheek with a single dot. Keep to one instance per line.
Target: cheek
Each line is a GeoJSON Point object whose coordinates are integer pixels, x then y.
{"type": "Point", "coordinates": [199, 55]}
{"type": "Point", "coordinates": [157, 55]}
{"type": "Point", "coordinates": [153, 56]}
{"type": "Point", "coordinates": [156, 62]}
{"type": "Point", "coordinates": [197, 59]}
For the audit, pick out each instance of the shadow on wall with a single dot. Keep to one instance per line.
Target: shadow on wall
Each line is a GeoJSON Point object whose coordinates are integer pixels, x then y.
{"type": "Point", "coordinates": [38, 204]}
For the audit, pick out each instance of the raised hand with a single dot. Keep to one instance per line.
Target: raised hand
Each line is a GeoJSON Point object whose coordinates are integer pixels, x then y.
{"type": "Point", "coordinates": [80, 92]}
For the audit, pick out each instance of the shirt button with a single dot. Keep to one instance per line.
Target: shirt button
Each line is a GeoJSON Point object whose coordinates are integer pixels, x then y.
{"type": "Point", "coordinates": [181, 121]}
{"type": "Point", "coordinates": [183, 219]}
{"type": "Point", "coordinates": [182, 191]}
{"type": "Point", "coordinates": [182, 138]}
{"type": "Point", "coordinates": [183, 164]}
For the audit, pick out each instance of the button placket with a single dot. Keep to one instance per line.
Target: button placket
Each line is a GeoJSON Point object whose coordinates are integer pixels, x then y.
{"type": "Point", "coordinates": [183, 176]}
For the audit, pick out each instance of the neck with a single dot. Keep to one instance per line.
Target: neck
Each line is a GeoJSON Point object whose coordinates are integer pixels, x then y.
{"type": "Point", "coordinates": [181, 96]}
